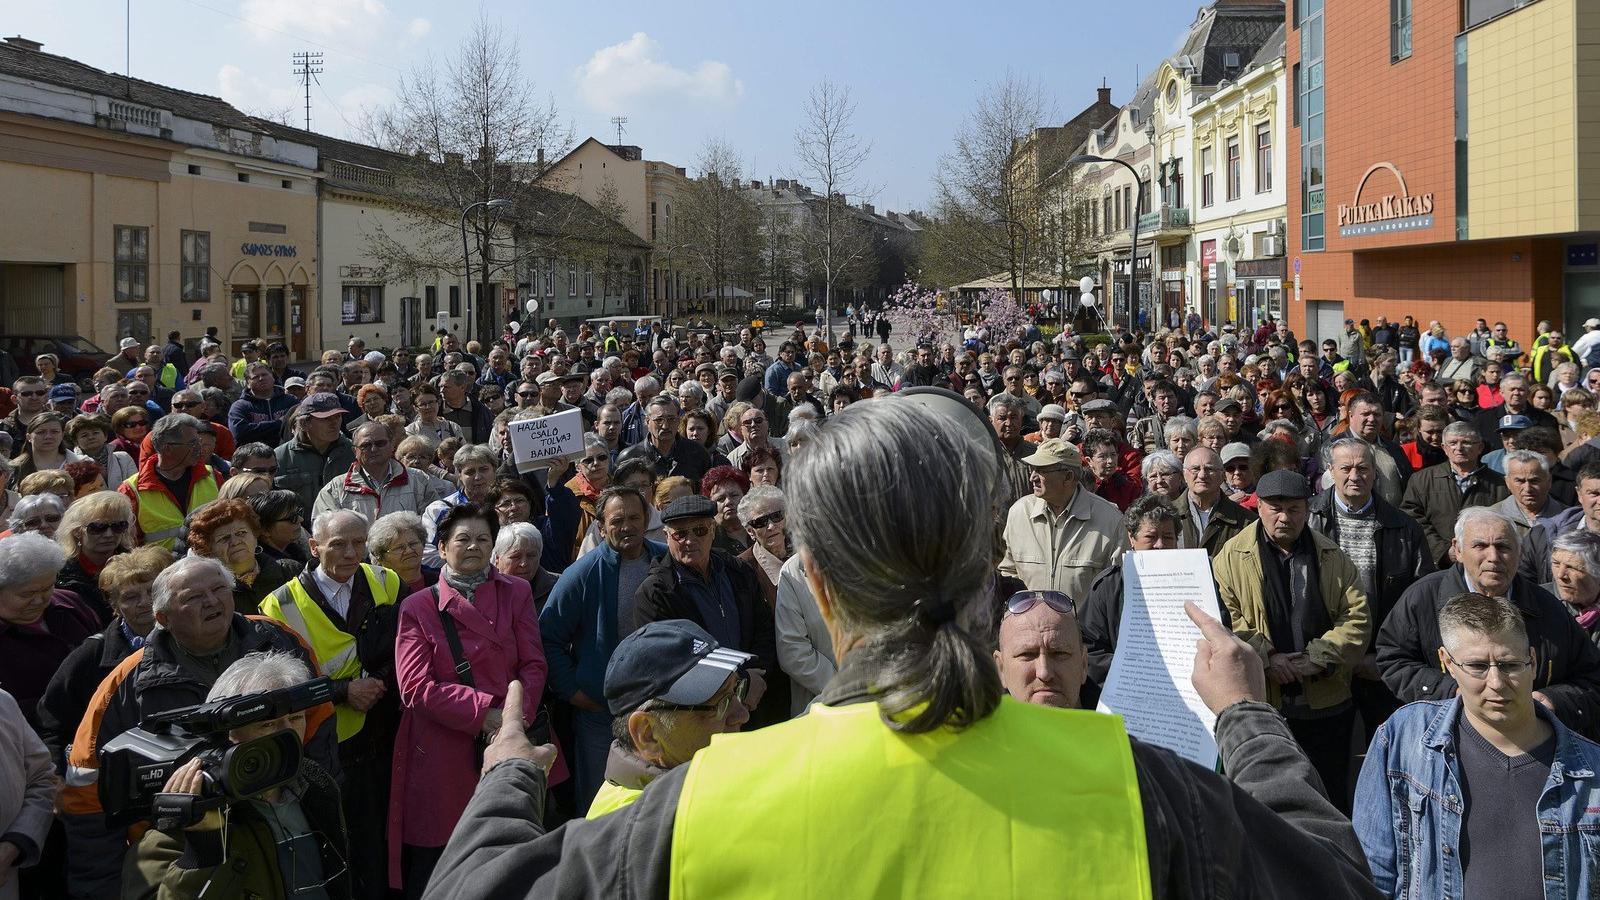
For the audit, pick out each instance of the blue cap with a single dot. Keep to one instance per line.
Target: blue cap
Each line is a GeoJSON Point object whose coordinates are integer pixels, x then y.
{"type": "Point", "coordinates": [1514, 423]}
{"type": "Point", "coordinates": [64, 393]}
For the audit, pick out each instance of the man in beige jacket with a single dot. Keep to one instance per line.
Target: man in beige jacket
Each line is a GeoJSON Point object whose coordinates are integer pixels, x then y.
{"type": "Point", "coordinates": [1059, 537]}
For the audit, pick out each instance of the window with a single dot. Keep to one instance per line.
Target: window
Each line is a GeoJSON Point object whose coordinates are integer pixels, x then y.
{"type": "Point", "coordinates": [455, 300]}
{"type": "Point", "coordinates": [1205, 177]}
{"type": "Point", "coordinates": [1480, 11]}
{"type": "Point", "coordinates": [1179, 198]}
{"type": "Point", "coordinates": [363, 304]}
{"type": "Point", "coordinates": [133, 263]}
{"type": "Point", "coordinates": [1399, 30]}
{"type": "Point", "coordinates": [134, 323]}
{"type": "Point", "coordinates": [572, 279]}
{"type": "Point", "coordinates": [1144, 193]}
{"type": "Point", "coordinates": [1127, 206]}
{"type": "Point", "coordinates": [196, 274]}
{"type": "Point", "coordinates": [1263, 158]}
{"type": "Point", "coordinates": [194, 170]}
{"type": "Point", "coordinates": [1234, 177]}
{"type": "Point", "coordinates": [244, 178]}
{"type": "Point", "coordinates": [1309, 114]}
{"type": "Point", "coordinates": [588, 281]}
{"type": "Point", "coordinates": [287, 184]}
{"type": "Point", "coordinates": [430, 301]}
{"type": "Point", "coordinates": [1106, 215]}
{"type": "Point", "coordinates": [652, 220]}
{"type": "Point", "coordinates": [549, 278]}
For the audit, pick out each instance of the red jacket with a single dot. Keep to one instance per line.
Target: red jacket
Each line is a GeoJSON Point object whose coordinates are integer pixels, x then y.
{"type": "Point", "coordinates": [1119, 489]}
{"type": "Point", "coordinates": [148, 480]}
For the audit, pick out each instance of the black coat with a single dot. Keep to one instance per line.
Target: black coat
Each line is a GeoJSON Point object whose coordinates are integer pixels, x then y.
{"type": "Point", "coordinates": [66, 698]}
{"type": "Point", "coordinates": [1403, 554]}
{"type": "Point", "coordinates": [1488, 422]}
{"type": "Point", "coordinates": [1227, 520]}
{"type": "Point", "coordinates": [1433, 499]}
{"type": "Point", "coordinates": [73, 578]}
{"type": "Point", "coordinates": [1100, 618]}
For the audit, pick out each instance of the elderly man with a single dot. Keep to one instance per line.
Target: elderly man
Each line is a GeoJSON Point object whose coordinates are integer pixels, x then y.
{"type": "Point", "coordinates": [347, 612]}
{"type": "Point", "coordinates": [1568, 676]}
{"type": "Point", "coordinates": [1040, 652]}
{"type": "Point", "coordinates": [1210, 519]}
{"type": "Point", "coordinates": [1462, 364]}
{"type": "Point", "coordinates": [662, 446]}
{"type": "Point", "coordinates": [886, 371]}
{"type": "Point", "coordinates": [1387, 547]}
{"type": "Point", "coordinates": [1295, 597]}
{"type": "Point", "coordinates": [1437, 495]}
{"type": "Point", "coordinates": [590, 609]}
{"type": "Point", "coordinates": [377, 483]}
{"type": "Point", "coordinates": [1060, 536]}
{"type": "Point", "coordinates": [1515, 392]}
{"type": "Point", "coordinates": [198, 637]}
{"type": "Point", "coordinates": [755, 428]}
{"type": "Point", "coordinates": [645, 389]}
{"type": "Point", "coordinates": [805, 647]}
{"type": "Point", "coordinates": [172, 482]}
{"type": "Point", "coordinates": [459, 406]}
{"type": "Point", "coordinates": [671, 687]}
{"type": "Point", "coordinates": [1150, 525]}
{"type": "Point", "coordinates": [317, 453]}
{"type": "Point", "coordinates": [258, 415]}
{"type": "Point", "coordinates": [1529, 504]}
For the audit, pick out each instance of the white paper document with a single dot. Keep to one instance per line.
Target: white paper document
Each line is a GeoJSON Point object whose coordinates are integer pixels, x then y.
{"type": "Point", "coordinates": [1149, 680]}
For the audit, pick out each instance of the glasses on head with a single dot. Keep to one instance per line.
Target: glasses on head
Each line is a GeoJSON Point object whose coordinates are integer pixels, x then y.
{"type": "Point", "coordinates": [1022, 601]}
{"type": "Point", "coordinates": [104, 527]}
{"type": "Point", "coordinates": [1480, 670]}
{"type": "Point", "coordinates": [741, 690]}
{"type": "Point", "coordinates": [771, 518]}
{"type": "Point", "coordinates": [683, 534]}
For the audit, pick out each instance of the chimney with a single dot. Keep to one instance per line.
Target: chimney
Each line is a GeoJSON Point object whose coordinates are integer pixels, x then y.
{"type": "Point", "coordinates": [23, 43]}
{"type": "Point", "coordinates": [867, 208]}
{"type": "Point", "coordinates": [783, 184]}
{"type": "Point", "coordinates": [1104, 95]}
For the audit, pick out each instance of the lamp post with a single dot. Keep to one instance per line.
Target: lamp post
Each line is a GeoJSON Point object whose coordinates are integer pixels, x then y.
{"type": "Point", "coordinates": [466, 257]}
{"type": "Point", "coordinates": [1133, 252]}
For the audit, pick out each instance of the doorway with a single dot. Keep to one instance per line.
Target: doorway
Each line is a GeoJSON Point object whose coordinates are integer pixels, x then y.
{"type": "Point", "coordinates": [297, 322]}
{"type": "Point", "coordinates": [410, 321]}
{"type": "Point", "coordinates": [1324, 319]}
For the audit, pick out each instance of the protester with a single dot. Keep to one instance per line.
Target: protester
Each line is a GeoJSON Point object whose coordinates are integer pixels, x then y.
{"type": "Point", "coordinates": [229, 531]}
{"type": "Point", "coordinates": [517, 551]}
{"type": "Point", "coordinates": [1062, 535]}
{"type": "Point", "coordinates": [1436, 496]}
{"type": "Point", "coordinates": [1575, 564]}
{"type": "Point", "coordinates": [1210, 519]}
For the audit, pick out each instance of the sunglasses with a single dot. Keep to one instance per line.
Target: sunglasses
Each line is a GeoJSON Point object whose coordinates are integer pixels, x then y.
{"type": "Point", "coordinates": [756, 421]}
{"type": "Point", "coordinates": [136, 423]}
{"type": "Point", "coordinates": [741, 689]}
{"type": "Point", "coordinates": [31, 393]}
{"type": "Point", "coordinates": [1022, 601]}
{"type": "Point", "coordinates": [40, 523]}
{"type": "Point", "coordinates": [772, 518]}
{"type": "Point", "coordinates": [594, 460]}
{"type": "Point", "coordinates": [104, 527]}
{"type": "Point", "coordinates": [185, 404]}
{"type": "Point", "coordinates": [683, 534]}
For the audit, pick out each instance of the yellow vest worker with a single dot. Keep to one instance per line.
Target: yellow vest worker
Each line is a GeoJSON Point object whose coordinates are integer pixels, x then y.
{"type": "Point", "coordinates": [1006, 810]}
{"type": "Point", "coordinates": [610, 798]}
{"type": "Point", "coordinates": [160, 520]}
{"type": "Point", "coordinates": [292, 605]}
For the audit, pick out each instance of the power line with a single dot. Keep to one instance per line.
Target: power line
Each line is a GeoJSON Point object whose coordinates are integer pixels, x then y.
{"type": "Point", "coordinates": [307, 66]}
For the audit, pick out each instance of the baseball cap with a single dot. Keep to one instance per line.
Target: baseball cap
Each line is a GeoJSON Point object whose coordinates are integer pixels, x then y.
{"type": "Point", "coordinates": [1053, 452]}
{"type": "Point", "coordinates": [1095, 406]}
{"type": "Point", "coordinates": [1225, 403]}
{"type": "Point", "coordinates": [294, 382]}
{"type": "Point", "coordinates": [1514, 423]}
{"type": "Point", "coordinates": [1235, 450]}
{"type": "Point", "coordinates": [1591, 323]}
{"type": "Point", "coordinates": [1283, 484]}
{"type": "Point", "coordinates": [1053, 412]}
{"type": "Point", "coordinates": [127, 343]}
{"type": "Point", "coordinates": [322, 406]}
{"type": "Point", "coordinates": [62, 393]}
{"type": "Point", "coordinates": [674, 661]}
{"type": "Point", "coordinates": [693, 506]}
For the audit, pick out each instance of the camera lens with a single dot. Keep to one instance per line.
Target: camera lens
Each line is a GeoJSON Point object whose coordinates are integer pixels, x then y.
{"type": "Point", "coordinates": [260, 765]}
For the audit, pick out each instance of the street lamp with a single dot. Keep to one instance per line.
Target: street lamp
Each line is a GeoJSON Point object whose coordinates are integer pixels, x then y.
{"type": "Point", "coordinates": [466, 256]}
{"type": "Point", "coordinates": [1133, 252]}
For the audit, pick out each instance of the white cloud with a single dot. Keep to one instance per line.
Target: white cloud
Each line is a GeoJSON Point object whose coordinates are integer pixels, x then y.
{"type": "Point", "coordinates": [418, 28]}
{"type": "Point", "coordinates": [621, 75]}
{"type": "Point", "coordinates": [327, 19]}
{"type": "Point", "coordinates": [364, 96]}
{"type": "Point", "coordinates": [251, 94]}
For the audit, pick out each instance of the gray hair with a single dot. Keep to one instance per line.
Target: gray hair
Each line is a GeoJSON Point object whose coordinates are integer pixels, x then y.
{"type": "Point", "coordinates": [1513, 376]}
{"type": "Point", "coordinates": [662, 401]}
{"type": "Point", "coordinates": [592, 442]}
{"type": "Point", "coordinates": [516, 533]}
{"type": "Point", "coordinates": [457, 378]}
{"type": "Point", "coordinates": [1161, 459]}
{"type": "Point", "coordinates": [34, 503]}
{"type": "Point", "coordinates": [1473, 515]}
{"type": "Point", "coordinates": [255, 672]}
{"type": "Point", "coordinates": [1583, 544]}
{"type": "Point", "coordinates": [1150, 508]}
{"type": "Point", "coordinates": [386, 532]}
{"type": "Point", "coordinates": [801, 430]}
{"type": "Point", "coordinates": [472, 453]}
{"type": "Point", "coordinates": [907, 572]}
{"type": "Point", "coordinates": [1527, 456]}
{"type": "Point", "coordinates": [646, 383]}
{"type": "Point", "coordinates": [1463, 429]}
{"type": "Point", "coordinates": [692, 389]}
{"type": "Point", "coordinates": [1179, 425]}
{"type": "Point", "coordinates": [321, 525]}
{"type": "Point", "coordinates": [1347, 441]}
{"type": "Point", "coordinates": [1479, 614]}
{"type": "Point", "coordinates": [760, 496]}
{"type": "Point", "coordinates": [27, 556]}
{"type": "Point", "coordinates": [161, 590]}
{"type": "Point", "coordinates": [168, 427]}
{"type": "Point", "coordinates": [1003, 399]}
{"type": "Point", "coordinates": [619, 397]}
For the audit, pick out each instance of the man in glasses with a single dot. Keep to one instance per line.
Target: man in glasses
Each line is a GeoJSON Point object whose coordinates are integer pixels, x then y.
{"type": "Point", "coordinates": [756, 429]}
{"type": "Point", "coordinates": [32, 396]}
{"type": "Point", "coordinates": [1499, 787]}
{"type": "Point", "coordinates": [671, 687]}
{"type": "Point", "coordinates": [376, 484]}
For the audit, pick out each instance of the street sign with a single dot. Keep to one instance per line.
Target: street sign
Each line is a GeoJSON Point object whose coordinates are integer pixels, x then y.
{"type": "Point", "coordinates": [1297, 265]}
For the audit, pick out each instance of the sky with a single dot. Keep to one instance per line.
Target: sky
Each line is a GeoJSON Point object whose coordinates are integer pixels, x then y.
{"type": "Point", "coordinates": [681, 73]}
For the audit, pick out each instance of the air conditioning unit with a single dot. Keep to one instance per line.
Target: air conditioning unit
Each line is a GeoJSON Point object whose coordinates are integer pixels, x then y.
{"type": "Point", "coordinates": [1272, 245]}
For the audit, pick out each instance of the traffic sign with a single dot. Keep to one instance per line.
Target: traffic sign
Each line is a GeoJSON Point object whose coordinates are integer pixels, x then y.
{"type": "Point", "coordinates": [1297, 265]}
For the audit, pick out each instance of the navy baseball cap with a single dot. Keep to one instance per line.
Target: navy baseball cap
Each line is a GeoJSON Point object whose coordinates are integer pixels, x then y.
{"type": "Point", "coordinates": [63, 393]}
{"type": "Point", "coordinates": [1514, 423]}
{"type": "Point", "coordinates": [322, 406]}
{"type": "Point", "coordinates": [674, 661]}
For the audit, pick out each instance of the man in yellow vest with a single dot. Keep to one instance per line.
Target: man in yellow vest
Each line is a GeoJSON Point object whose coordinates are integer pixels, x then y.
{"type": "Point", "coordinates": [348, 612]}
{"type": "Point", "coordinates": [913, 774]}
{"type": "Point", "coordinates": [671, 687]}
{"type": "Point", "coordinates": [171, 483]}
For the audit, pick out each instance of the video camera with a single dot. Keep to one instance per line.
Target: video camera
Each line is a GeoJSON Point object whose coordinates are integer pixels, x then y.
{"type": "Point", "coordinates": [135, 765]}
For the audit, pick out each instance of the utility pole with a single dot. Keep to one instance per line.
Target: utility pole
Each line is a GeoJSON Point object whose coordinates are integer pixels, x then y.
{"type": "Point", "coordinates": [619, 121]}
{"type": "Point", "coordinates": [307, 66]}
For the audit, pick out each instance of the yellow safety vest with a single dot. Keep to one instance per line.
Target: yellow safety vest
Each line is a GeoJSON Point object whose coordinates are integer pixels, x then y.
{"type": "Point", "coordinates": [237, 369]}
{"type": "Point", "coordinates": [159, 518]}
{"type": "Point", "coordinates": [836, 805]}
{"type": "Point", "coordinates": [168, 377]}
{"type": "Point", "coordinates": [335, 649]}
{"type": "Point", "coordinates": [610, 798]}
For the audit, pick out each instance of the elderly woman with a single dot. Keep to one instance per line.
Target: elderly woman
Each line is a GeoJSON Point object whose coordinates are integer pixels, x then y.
{"type": "Point", "coordinates": [41, 623]}
{"type": "Point", "coordinates": [244, 486]}
{"type": "Point", "coordinates": [374, 402]}
{"type": "Point", "coordinates": [27, 801]}
{"type": "Point", "coordinates": [762, 466]}
{"type": "Point", "coordinates": [45, 445]}
{"type": "Point", "coordinates": [1162, 473]}
{"type": "Point", "coordinates": [396, 542]}
{"type": "Point", "coordinates": [594, 476]}
{"type": "Point", "coordinates": [517, 552]}
{"type": "Point", "coordinates": [514, 501]}
{"type": "Point", "coordinates": [230, 531]}
{"type": "Point", "coordinates": [669, 489]}
{"type": "Point", "coordinates": [1180, 435]}
{"type": "Point", "coordinates": [726, 486]}
{"type": "Point", "coordinates": [125, 583]}
{"type": "Point", "coordinates": [762, 511]}
{"type": "Point", "coordinates": [94, 529]}
{"type": "Point", "coordinates": [1575, 577]}
{"type": "Point", "coordinates": [37, 513]}
{"type": "Point", "coordinates": [447, 707]}
{"type": "Point", "coordinates": [283, 534]}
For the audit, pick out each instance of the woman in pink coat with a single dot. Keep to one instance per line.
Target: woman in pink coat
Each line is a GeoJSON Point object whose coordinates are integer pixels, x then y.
{"type": "Point", "coordinates": [436, 756]}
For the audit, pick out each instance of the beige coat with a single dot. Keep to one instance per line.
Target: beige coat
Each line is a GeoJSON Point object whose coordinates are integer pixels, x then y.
{"type": "Point", "coordinates": [27, 784]}
{"type": "Point", "coordinates": [1062, 553]}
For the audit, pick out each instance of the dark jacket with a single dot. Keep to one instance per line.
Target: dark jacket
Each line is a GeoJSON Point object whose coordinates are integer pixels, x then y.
{"type": "Point", "coordinates": [687, 458]}
{"type": "Point", "coordinates": [75, 579]}
{"type": "Point", "coordinates": [275, 573]}
{"type": "Point", "coordinates": [1395, 397]}
{"type": "Point", "coordinates": [1488, 422]}
{"type": "Point", "coordinates": [1433, 499]}
{"type": "Point", "coordinates": [66, 697]}
{"type": "Point", "coordinates": [1266, 830]}
{"type": "Point", "coordinates": [1227, 519]}
{"type": "Point", "coordinates": [1567, 662]}
{"type": "Point", "coordinates": [303, 470]}
{"type": "Point", "coordinates": [1403, 554]}
{"type": "Point", "coordinates": [252, 419]}
{"type": "Point", "coordinates": [29, 656]}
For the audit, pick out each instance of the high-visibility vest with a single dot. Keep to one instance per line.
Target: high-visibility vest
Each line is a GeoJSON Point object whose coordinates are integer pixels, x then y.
{"type": "Point", "coordinates": [159, 517]}
{"type": "Point", "coordinates": [168, 377]}
{"type": "Point", "coordinates": [335, 649]}
{"type": "Point", "coordinates": [836, 804]}
{"type": "Point", "coordinates": [610, 798]}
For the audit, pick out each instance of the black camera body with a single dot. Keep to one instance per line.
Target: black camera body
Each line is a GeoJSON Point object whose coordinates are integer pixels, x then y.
{"type": "Point", "coordinates": [136, 765]}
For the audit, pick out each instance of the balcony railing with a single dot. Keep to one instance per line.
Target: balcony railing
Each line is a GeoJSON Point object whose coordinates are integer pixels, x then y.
{"type": "Point", "coordinates": [1164, 219]}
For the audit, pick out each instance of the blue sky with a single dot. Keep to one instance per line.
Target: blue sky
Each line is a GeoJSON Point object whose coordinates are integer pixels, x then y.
{"type": "Point", "coordinates": [681, 72]}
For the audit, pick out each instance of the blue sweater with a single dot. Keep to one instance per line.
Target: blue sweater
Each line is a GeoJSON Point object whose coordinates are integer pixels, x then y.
{"type": "Point", "coordinates": [579, 622]}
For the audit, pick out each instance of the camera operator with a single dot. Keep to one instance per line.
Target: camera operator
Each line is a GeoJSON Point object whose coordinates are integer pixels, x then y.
{"type": "Point", "coordinates": [198, 635]}
{"type": "Point", "coordinates": [287, 842]}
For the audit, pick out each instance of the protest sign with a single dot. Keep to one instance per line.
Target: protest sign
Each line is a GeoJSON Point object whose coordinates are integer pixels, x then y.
{"type": "Point", "coordinates": [1149, 682]}
{"type": "Point", "coordinates": [536, 441]}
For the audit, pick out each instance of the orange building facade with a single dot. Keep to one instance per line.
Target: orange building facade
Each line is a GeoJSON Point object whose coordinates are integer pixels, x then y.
{"type": "Point", "coordinates": [1444, 158]}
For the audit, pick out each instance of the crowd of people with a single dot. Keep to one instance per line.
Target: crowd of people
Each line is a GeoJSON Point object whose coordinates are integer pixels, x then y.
{"type": "Point", "coordinates": [772, 543]}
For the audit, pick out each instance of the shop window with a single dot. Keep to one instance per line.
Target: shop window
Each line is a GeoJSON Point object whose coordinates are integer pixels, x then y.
{"type": "Point", "coordinates": [196, 272]}
{"type": "Point", "coordinates": [1263, 158]}
{"type": "Point", "coordinates": [430, 301]}
{"type": "Point", "coordinates": [1235, 179]}
{"type": "Point", "coordinates": [363, 304]}
{"type": "Point", "coordinates": [1400, 29]}
{"type": "Point", "coordinates": [132, 263]}
{"type": "Point", "coordinates": [134, 323]}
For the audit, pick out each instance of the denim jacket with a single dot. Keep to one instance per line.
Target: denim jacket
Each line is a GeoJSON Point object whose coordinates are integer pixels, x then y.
{"type": "Point", "coordinates": [1408, 811]}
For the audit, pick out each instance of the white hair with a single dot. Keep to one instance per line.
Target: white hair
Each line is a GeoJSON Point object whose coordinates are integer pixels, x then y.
{"type": "Point", "coordinates": [1473, 515]}
{"type": "Point", "coordinates": [161, 591]}
{"type": "Point", "coordinates": [387, 530]}
{"type": "Point", "coordinates": [255, 672]}
{"type": "Point", "coordinates": [34, 503]}
{"type": "Point", "coordinates": [760, 496]}
{"type": "Point", "coordinates": [1527, 456]}
{"type": "Point", "coordinates": [321, 525]}
{"type": "Point", "coordinates": [512, 535]}
{"type": "Point", "coordinates": [27, 556]}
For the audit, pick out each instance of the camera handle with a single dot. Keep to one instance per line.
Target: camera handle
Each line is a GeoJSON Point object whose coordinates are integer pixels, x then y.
{"type": "Point", "coordinates": [175, 812]}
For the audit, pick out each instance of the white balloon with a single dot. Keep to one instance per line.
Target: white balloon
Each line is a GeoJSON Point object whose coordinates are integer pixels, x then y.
{"type": "Point", "coordinates": [515, 327]}
{"type": "Point", "coordinates": [1087, 299]}
{"type": "Point", "coordinates": [533, 307]}
{"type": "Point", "coordinates": [1086, 285]}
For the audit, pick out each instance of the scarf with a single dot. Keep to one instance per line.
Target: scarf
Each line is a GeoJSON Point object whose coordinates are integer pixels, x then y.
{"type": "Point", "coordinates": [466, 584]}
{"type": "Point", "coordinates": [770, 564]}
{"type": "Point", "coordinates": [1298, 617]}
{"type": "Point", "coordinates": [1587, 617]}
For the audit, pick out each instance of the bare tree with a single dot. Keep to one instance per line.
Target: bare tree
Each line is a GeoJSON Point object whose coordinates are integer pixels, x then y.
{"type": "Point", "coordinates": [718, 225]}
{"type": "Point", "coordinates": [831, 155]}
{"type": "Point", "coordinates": [1062, 224]}
{"type": "Point", "coordinates": [473, 131]}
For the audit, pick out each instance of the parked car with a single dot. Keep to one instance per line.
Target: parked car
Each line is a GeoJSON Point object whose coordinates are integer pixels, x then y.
{"type": "Point", "coordinates": [765, 305]}
{"type": "Point", "coordinates": [80, 358]}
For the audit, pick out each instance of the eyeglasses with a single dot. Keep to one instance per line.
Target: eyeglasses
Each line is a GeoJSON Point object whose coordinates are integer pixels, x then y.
{"type": "Point", "coordinates": [136, 423]}
{"type": "Point", "coordinates": [1022, 601]}
{"type": "Point", "coordinates": [594, 460]}
{"type": "Point", "coordinates": [741, 689]}
{"type": "Point", "coordinates": [771, 518]}
{"type": "Point", "coordinates": [758, 420]}
{"type": "Point", "coordinates": [527, 395]}
{"type": "Point", "coordinates": [104, 527]}
{"type": "Point", "coordinates": [1480, 670]}
{"type": "Point", "coordinates": [1237, 467]}
{"type": "Point", "coordinates": [683, 534]}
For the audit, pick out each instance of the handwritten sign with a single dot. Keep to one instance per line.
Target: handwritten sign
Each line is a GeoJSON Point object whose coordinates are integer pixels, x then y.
{"type": "Point", "coordinates": [535, 441]}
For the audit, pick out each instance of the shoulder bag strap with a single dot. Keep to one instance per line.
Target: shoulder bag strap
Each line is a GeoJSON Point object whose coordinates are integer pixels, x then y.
{"type": "Point", "coordinates": [448, 622]}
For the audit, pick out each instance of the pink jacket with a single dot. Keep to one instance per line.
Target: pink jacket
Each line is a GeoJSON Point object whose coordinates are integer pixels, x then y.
{"type": "Point", "coordinates": [434, 767]}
